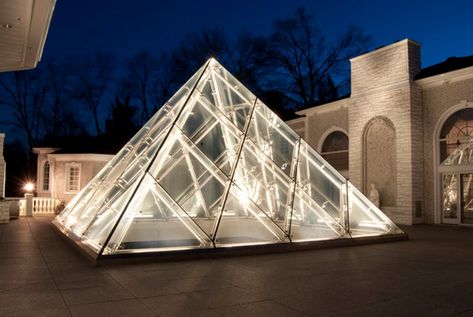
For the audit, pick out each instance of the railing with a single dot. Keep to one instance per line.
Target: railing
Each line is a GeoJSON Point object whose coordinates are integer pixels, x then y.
{"type": "Point", "coordinates": [41, 205]}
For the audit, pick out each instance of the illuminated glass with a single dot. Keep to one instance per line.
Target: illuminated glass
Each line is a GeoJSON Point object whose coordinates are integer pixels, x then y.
{"type": "Point", "coordinates": [215, 167]}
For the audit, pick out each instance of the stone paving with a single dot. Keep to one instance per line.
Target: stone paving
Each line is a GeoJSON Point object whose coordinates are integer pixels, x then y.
{"type": "Point", "coordinates": [429, 275]}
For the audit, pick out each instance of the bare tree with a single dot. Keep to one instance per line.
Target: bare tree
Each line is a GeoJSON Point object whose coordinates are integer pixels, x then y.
{"type": "Point", "coordinates": [166, 81]}
{"type": "Point", "coordinates": [23, 96]}
{"type": "Point", "coordinates": [58, 118]}
{"type": "Point", "coordinates": [141, 74]}
{"type": "Point", "coordinates": [245, 57]}
{"type": "Point", "coordinates": [92, 79]}
{"type": "Point", "coordinates": [302, 59]}
{"type": "Point", "coordinates": [197, 48]}
{"type": "Point", "coordinates": [150, 81]}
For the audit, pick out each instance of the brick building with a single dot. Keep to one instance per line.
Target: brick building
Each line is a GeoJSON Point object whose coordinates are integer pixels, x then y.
{"type": "Point", "coordinates": [395, 130]}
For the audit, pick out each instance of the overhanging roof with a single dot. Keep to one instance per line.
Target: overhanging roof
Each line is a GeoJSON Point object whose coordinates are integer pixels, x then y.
{"type": "Point", "coordinates": [24, 26]}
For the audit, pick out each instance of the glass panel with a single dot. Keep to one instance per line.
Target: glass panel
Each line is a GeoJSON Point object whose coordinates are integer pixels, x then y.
{"type": "Point", "coordinates": [227, 95]}
{"type": "Point", "coordinates": [273, 137]}
{"type": "Point", "coordinates": [266, 184]}
{"type": "Point", "coordinates": [69, 216]}
{"type": "Point", "coordinates": [112, 186]}
{"type": "Point", "coordinates": [104, 220]}
{"type": "Point", "coordinates": [449, 201]}
{"type": "Point", "coordinates": [212, 133]}
{"type": "Point", "coordinates": [319, 180]}
{"type": "Point", "coordinates": [467, 198]}
{"type": "Point", "coordinates": [242, 223]}
{"type": "Point", "coordinates": [174, 105]}
{"type": "Point", "coordinates": [191, 179]}
{"type": "Point", "coordinates": [310, 221]}
{"type": "Point", "coordinates": [365, 218]}
{"type": "Point", "coordinates": [154, 222]}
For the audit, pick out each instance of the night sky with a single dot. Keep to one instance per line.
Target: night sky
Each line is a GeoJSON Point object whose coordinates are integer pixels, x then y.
{"type": "Point", "coordinates": [444, 28]}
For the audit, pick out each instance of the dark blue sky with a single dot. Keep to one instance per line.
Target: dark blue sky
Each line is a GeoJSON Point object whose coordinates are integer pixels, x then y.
{"type": "Point", "coordinates": [444, 28]}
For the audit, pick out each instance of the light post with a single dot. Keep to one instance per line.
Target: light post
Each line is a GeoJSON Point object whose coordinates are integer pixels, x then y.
{"type": "Point", "coordinates": [28, 188]}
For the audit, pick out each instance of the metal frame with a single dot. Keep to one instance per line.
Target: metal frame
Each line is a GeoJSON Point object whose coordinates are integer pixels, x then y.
{"type": "Point", "coordinates": [163, 149]}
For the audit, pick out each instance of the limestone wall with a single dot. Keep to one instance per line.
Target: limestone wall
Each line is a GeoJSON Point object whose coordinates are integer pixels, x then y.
{"type": "Point", "coordinates": [383, 88]}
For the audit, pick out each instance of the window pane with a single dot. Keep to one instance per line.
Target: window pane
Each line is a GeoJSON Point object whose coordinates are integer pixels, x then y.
{"type": "Point", "coordinates": [455, 131]}
{"type": "Point", "coordinates": [335, 150]}
{"type": "Point", "coordinates": [46, 176]}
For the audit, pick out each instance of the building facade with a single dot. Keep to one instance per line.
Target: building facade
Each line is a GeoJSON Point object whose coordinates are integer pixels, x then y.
{"type": "Point", "coordinates": [395, 130]}
{"type": "Point", "coordinates": [62, 175]}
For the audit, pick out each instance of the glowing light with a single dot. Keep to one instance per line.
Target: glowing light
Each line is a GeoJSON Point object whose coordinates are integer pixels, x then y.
{"type": "Point", "coordinates": [244, 198]}
{"type": "Point", "coordinates": [28, 187]}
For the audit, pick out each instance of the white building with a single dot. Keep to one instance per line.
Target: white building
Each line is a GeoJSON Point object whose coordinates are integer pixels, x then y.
{"type": "Point", "coordinates": [61, 174]}
{"type": "Point", "coordinates": [395, 130]}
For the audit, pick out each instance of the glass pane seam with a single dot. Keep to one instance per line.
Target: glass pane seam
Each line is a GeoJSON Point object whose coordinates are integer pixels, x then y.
{"type": "Point", "coordinates": [294, 187]}
{"type": "Point", "coordinates": [169, 197]}
{"type": "Point", "coordinates": [264, 213]}
{"type": "Point", "coordinates": [154, 158]}
{"type": "Point", "coordinates": [222, 117]}
{"type": "Point", "coordinates": [232, 174]}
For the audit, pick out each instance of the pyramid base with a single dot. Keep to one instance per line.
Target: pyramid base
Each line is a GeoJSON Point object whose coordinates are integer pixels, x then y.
{"type": "Point", "coordinates": [247, 250]}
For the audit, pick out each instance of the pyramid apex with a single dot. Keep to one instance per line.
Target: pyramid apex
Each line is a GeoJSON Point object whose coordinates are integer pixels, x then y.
{"type": "Point", "coordinates": [213, 61]}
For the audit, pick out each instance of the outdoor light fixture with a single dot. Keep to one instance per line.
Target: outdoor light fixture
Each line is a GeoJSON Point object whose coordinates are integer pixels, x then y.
{"type": "Point", "coordinates": [28, 187]}
{"type": "Point", "coordinates": [216, 168]}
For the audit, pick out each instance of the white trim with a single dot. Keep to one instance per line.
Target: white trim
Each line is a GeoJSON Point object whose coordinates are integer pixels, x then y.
{"type": "Point", "coordinates": [327, 133]}
{"type": "Point", "coordinates": [68, 167]}
{"type": "Point", "coordinates": [437, 178]}
{"type": "Point", "coordinates": [81, 157]}
{"type": "Point", "coordinates": [446, 78]}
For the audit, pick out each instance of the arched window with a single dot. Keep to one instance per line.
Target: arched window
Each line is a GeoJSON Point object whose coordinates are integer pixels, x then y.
{"type": "Point", "coordinates": [335, 150]}
{"type": "Point", "coordinates": [455, 131]}
{"type": "Point", "coordinates": [46, 176]}
{"type": "Point", "coordinates": [456, 173]}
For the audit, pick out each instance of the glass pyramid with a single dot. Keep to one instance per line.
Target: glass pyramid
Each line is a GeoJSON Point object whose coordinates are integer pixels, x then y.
{"type": "Point", "coordinates": [213, 168]}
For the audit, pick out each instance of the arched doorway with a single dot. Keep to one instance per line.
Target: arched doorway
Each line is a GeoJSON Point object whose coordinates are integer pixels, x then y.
{"type": "Point", "coordinates": [455, 165]}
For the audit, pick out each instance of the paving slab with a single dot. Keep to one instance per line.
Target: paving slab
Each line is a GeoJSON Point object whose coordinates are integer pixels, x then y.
{"type": "Point", "coordinates": [429, 275]}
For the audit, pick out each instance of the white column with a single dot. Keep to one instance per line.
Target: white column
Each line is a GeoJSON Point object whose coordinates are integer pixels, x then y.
{"type": "Point", "coordinates": [29, 205]}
